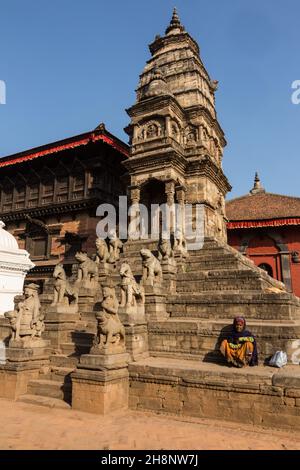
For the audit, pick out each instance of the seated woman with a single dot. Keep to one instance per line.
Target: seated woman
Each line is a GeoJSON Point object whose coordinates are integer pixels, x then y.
{"type": "Point", "coordinates": [239, 348]}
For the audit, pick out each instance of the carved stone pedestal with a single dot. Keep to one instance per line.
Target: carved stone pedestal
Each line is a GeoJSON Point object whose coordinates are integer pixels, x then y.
{"type": "Point", "coordinates": [88, 289]}
{"type": "Point", "coordinates": [136, 337]}
{"type": "Point", "coordinates": [62, 309]}
{"type": "Point", "coordinates": [60, 323]}
{"type": "Point", "coordinates": [181, 260]}
{"type": "Point", "coordinates": [155, 303]}
{"type": "Point", "coordinates": [105, 270]}
{"type": "Point", "coordinates": [169, 270]}
{"type": "Point", "coordinates": [100, 383]}
{"type": "Point", "coordinates": [22, 365]}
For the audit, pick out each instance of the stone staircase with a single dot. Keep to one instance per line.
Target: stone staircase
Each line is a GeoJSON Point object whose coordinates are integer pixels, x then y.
{"type": "Point", "coordinates": [217, 284]}
{"type": "Point", "coordinates": [53, 388]}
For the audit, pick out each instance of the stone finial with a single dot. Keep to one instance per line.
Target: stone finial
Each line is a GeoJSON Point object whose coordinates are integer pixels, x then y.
{"type": "Point", "coordinates": [257, 188]}
{"type": "Point", "coordinates": [175, 23]}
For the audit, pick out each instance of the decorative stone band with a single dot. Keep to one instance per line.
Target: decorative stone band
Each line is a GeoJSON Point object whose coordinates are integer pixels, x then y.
{"type": "Point", "coordinates": [15, 267]}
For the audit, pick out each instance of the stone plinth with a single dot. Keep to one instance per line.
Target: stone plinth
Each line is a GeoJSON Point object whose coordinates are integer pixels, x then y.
{"type": "Point", "coordinates": [62, 309]}
{"type": "Point", "coordinates": [181, 261]}
{"type": "Point", "coordinates": [155, 303]}
{"type": "Point", "coordinates": [14, 382]}
{"type": "Point", "coordinates": [136, 337]}
{"type": "Point", "coordinates": [22, 365]}
{"type": "Point", "coordinates": [100, 383]}
{"type": "Point", "coordinates": [59, 324]}
{"type": "Point", "coordinates": [88, 289]}
{"type": "Point", "coordinates": [169, 270]}
{"type": "Point", "coordinates": [132, 315]}
{"type": "Point", "coordinates": [106, 269]}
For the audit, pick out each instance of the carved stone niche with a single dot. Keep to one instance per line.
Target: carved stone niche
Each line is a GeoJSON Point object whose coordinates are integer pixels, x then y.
{"type": "Point", "coordinates": [175, 131]}
{"type": "Point", "coordinates": [190, 135]}
{"type": "Point", "coordinates": [150, 130]}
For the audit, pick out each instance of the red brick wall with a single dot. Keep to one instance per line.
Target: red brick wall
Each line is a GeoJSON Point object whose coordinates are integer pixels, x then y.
{"type": "Point", "coordinates": [263, 249]}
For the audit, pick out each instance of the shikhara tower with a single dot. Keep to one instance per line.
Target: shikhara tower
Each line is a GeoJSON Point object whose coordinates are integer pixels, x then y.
{"type": "Point", "coordinates": [176, 140]}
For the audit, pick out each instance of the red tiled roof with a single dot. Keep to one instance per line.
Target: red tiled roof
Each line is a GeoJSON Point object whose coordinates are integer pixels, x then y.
{"type": "Point", "coordinates": [72, 142]}
{"type": "Point", "coordinates": [263, 207]}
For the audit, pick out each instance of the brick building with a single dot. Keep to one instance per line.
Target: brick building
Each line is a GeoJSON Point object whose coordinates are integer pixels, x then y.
{"type": "Point", "coordinates": [265, 227]}
{"type": "Point", "coordinates": [49, 195]}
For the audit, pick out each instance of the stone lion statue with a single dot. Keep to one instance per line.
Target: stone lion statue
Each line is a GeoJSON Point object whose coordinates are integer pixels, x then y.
{"type": "Point", "coordinates": [131, 291]}
{"type": "Point", "coordinates": [63, 290]}
{"type": "Point", "coordinates": [115, 247]}
{"type": "Point", "coordinates": [165, 251]}
{"type": "Point", "coordinates": [180, 243]}
{"type": "Point", "coordinates": [110, 331]}
{"type": "Point", "coordinates": [152, 272]}
{"type": "Point", "coordinates": [102, 252]}
{"type": "Point", "coordinates": [87, 269]}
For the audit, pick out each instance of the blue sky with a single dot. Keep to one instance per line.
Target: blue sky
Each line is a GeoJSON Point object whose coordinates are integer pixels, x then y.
{"type": "Point", "coordinates": [70, 64]}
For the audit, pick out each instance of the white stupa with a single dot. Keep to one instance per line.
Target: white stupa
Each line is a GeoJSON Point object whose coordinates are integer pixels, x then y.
{"type": "Point", "coordinates": [14, 264]}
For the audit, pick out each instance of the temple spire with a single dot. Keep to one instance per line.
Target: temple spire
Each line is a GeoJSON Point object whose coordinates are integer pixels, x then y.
{"type": "Point", "coordinates": [175, 24]}
{"type": "Point", "coordinates": [257, 187]}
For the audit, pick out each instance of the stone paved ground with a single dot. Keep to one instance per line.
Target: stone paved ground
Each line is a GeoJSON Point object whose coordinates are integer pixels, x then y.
{"type": "Point", "coordinates": [25, 426]}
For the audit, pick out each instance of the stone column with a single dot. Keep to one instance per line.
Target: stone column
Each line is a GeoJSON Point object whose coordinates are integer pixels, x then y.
{"type": "Point", "coordinates": [134, 195]}
{"type": "Point", "coordinates": [286, 270]}
{"type": "Point", "coordinates": [170, 194]}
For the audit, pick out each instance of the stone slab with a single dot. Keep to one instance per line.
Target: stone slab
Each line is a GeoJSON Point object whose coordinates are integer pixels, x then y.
{"type": "Point", "coordinates": [256, 395]}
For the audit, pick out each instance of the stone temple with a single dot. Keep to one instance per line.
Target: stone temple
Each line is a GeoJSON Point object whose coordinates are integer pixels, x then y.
{"type": "Point", "coordinates": [140, 324]}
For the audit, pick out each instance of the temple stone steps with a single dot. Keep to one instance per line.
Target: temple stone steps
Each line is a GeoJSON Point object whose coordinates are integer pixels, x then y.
{"type": "Point", "coordinates": [200, 339]}
{"type": "Point", "coordinates": [64, 361]}
{"type": "Point", "coordinates": [44, 401]}
{"type": "Point", "coordinates": [75, 348]}
{"type": "Point", "coordinates": [48, 388]}
{"type": "Point", "coordinates": [53, 388]}
{"type": "Point", "coordinates": [207, 264]}
{"type": "Point", "coordinates": [258, 305]}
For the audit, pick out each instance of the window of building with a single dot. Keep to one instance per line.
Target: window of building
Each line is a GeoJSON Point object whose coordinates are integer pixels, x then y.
{"type": "Point", "coordinates": [20, 197]}
{"type": "Point", "coordinates": [78, 186]}
{"type": "Point", "coordinates": [266, 267]}
{"type": "Point", "coordinates": [7, 199]}
{"type": "Point", "coordinates": [62, 188]}
{"type": "Point", "coordinates": [33, 198]}
{"type": "Point", "coordinates": [48, 192]}
{"type": "Point", "coordinates": [39, 247]}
